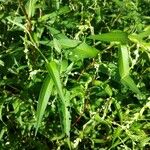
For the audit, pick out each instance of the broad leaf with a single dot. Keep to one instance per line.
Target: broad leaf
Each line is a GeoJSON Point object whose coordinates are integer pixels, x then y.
{"type": "Point", "coordinates": [145, 33]}
{"type": "Point", "coordinates": [78, 49]}
{"type": "Point", "coordinates": [56, 33]}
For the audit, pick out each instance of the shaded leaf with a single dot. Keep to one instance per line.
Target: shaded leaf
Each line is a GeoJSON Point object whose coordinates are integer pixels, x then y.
{"type": "Point", "coordinates": [56, 33]}
{"type": "Point", "coordinates": [44, 96]}
{"type": "Point", "coordinates": [64, 103]}
{"type": "Point", "coordinates": [62, 10]}
{"type": "Point", "coordinates": [128, 81]}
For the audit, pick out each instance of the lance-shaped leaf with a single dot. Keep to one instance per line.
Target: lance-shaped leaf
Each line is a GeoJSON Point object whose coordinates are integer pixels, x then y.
{"type": "Point", "coordinates": [128, 81]}
{"type": "Point", "coordinates": [117, 36]}
{"type": "Point", "coordinates": [78, 50]}
{"type": "Point", "coordinates": [123, 55]}
{"type": "Point", "coordinates": [64, 101]}
{"type": "Point", "coordinates": [124, 69]}
{"type": "Point", "coordinates": [50, 16]}
{"type": "Point", "coordinates": [145, 33]}
{"type": "Point", "coordinates": [31, 8]}
{"type": "Point", "coordinates": [44, 96]}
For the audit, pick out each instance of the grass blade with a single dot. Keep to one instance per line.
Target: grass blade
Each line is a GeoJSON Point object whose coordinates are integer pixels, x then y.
{"type": "Point", "coordinates": [43, 99]}
{"type": "Point", "coordinates": [64, 103]}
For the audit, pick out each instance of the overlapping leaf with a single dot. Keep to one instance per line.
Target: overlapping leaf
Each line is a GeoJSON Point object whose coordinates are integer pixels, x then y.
{"type": "Point", "coordinates": [44, 96]}
{"type": "Point", "coordinates": [128, 81]}
{"type": "Point", "coordinates": [124, 69]}
{"type": "Point", "coordinates": [64, 100]}
{"type": "Point", "coordinates": [122, 38]}
{"type": "Point", "coordinates": [78, 50]}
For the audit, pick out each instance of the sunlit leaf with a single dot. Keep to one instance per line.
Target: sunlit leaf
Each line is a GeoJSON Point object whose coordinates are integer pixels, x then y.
{"type": "Point", "coordinates": [124, 69]}
{"type": "Point", "coordinates": [118, 36]}
{"type": "Point", "coordinates": [123, 62]}
{"type": "Point", "coordinates": [57, 45]}
{"type": "Point", "coordinates": [1, 63]}
{"type": "Point", "coordinates": [145, 33]}
{"type": "Point", "coordinates": [31, 7]}
{"type": "Point", "coordinates": [78, 50]}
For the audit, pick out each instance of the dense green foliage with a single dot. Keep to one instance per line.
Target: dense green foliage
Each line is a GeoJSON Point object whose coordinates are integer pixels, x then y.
{"type": "Point", "coordinates": [74, 74]}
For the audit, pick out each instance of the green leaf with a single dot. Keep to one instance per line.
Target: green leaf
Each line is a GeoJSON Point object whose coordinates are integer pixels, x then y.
{"type": "Point", "coordinates": [50, 16]}
{"type": "Point", "coordinates": [53, 71]}
{"type": "Point", "coordinates": [56, 33]}
{"type": "Point", "coordinates": [57, 45]}
{"type": "Point", "coordinates": [145, 33]}
{"type": "Point", "coordinates": [1, 63]}
{"type": "Point", "coordinates": [1, 108]}
{"type": "Point", "coordinates": [44, 96]}
{"type": "Point", "coordinates": [117, 133]}
{"type": "Point", "coordinates": [68, 43]}
{"type": "Point", "coordinates": [123, 61]}
{"type": "Point", "coordinates": [128, 81]}
{"type": "Point", "coordinates": [78, 50]}
{"type": "Point", "coordinates": [2, 132]}
{"type": "Point", "coordinates": [64, 65]}
{"type": "Point", "coordinates": [124, 69]}
{"type": "Point", "coordinates": [31, 7]}
{"type": "Point", "coordinates": [17, 24]}
{"type": "Point", "coordinates": [64, 103]}
{"type": "Point", "coordinates": [108, 90]}
{"type": "Point", "coordinates": [118, 36]}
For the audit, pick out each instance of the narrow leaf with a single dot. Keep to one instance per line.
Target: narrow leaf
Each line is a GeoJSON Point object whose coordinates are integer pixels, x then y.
{"type": "Point", "coordinates": [118, 36]}
{"type": "Point", "coordinates": [124, 69]}
{"type": "Point", "coordinates": [128, 81]}
{"type": "Point", "coordinates": [43, 99]}
{"type": "Point", "coordinates": [53, 71]}
{"type": "Point", "coordinates": [64, 103]}
{"type": "Point", "coordinates": [50, 16]}
{"type": "Point", "coordinates": [18, 24]}
{"type": "Point", "coordinates": [57, 45]}
{"type": "Point", "coordinates": [31, 7]}
{"type": "Point", "coordinates": [123, 61]}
